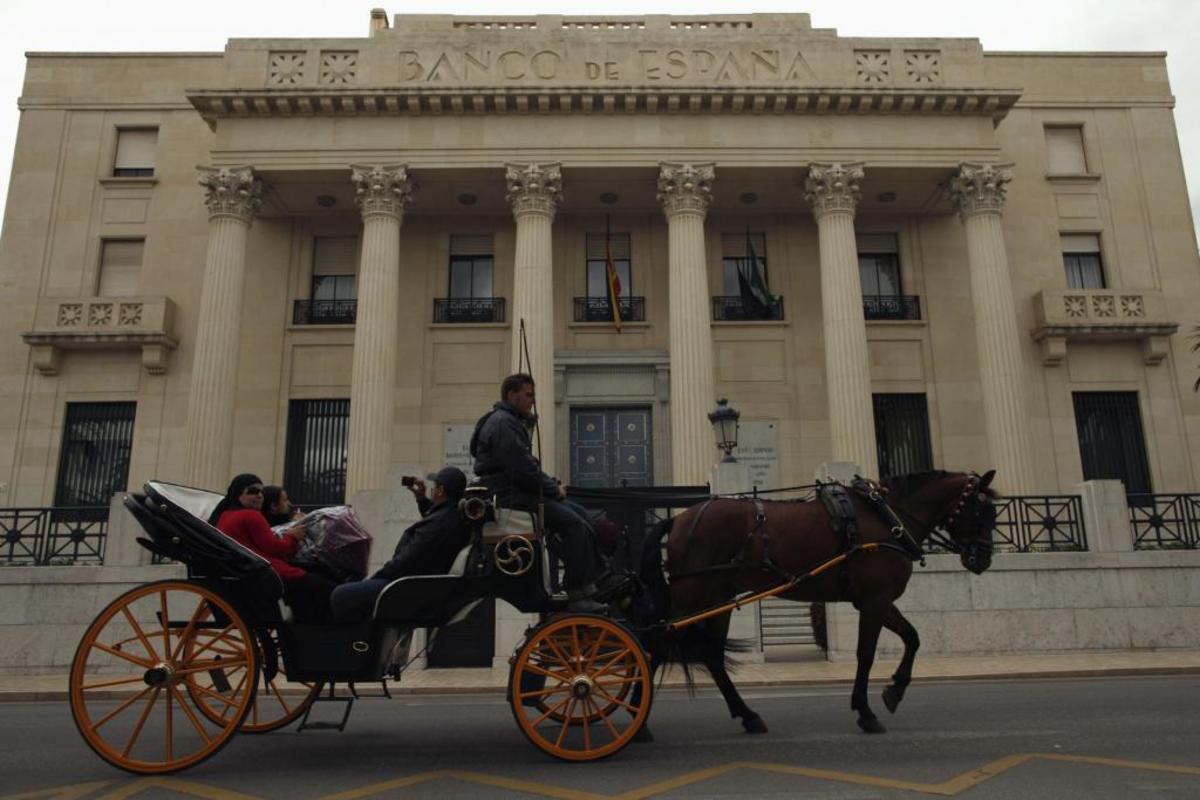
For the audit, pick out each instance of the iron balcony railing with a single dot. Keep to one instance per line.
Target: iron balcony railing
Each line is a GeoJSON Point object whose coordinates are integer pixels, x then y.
{"type": "Point", "coordinates": [1043, 523]}
{"type": "Point", "coordinates": [599, 309]}
{"type": "Point", "coordinates": [891, 306]}
{"type": "Point", "coordinates": [735, 308]}
{"type": "Point", "coordinates": [53, 536]}
{"type": "Point", "coordinates": [474, 309]}
{"type": "Point", "coordinates": [324, 312]}
{"type": "Point", "coordinates": [1165, 521]}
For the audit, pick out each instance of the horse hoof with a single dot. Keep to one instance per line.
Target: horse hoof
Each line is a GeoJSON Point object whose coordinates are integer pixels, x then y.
{"type": "Point", "coordinates": [754, 724]}
{"type": "Point", "coordinates": [871, 725]}
{"type": "Point", "coordinates": [891, 698]}
{"type": "Point", "coordinates": [643, 735]}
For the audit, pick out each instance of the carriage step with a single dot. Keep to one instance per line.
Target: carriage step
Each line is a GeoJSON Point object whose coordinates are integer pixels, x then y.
{"type": "Point", "coordinates": [322, 725]}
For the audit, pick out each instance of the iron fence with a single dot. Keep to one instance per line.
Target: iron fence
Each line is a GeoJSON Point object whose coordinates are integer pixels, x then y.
{"type": "Point", "coordinates": [599, 309]}
{"type": "Point", "coordinates": [324, 312]}
{"type": "Point", "coordinates": [53, 536]}
{"type": "Point", "coordinates": [735, 308]}
{"type": "Point", "coordinates": [1047, 523]}
{"type": "Point", "coordinates": [1165, 521]}
{"type": "Point", "coordinates": [891, 306]}
{"type": "Point", "coordinates": [475, 309]}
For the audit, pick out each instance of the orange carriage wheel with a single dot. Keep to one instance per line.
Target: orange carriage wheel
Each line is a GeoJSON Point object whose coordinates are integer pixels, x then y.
{"type": "Point", "coordinates": [276, 703]}
{"type": "Point", "coordinates": [130, 684]}
{"type": "Point", "coordinates": [568, 681]}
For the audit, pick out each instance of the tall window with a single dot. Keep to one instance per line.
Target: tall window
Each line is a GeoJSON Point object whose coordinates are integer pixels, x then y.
{"type": "Point", "coordinates": [120, 267]}
{"type": "Point", "coordinates": [135, 152]}
{"type": "Point", "coordinates": [93, 463]}
{"type": "Point", "coordinates": [879, 264]}
{"type": "Point", "coordinates": [597, 269]}
{"type": "Point", "coordinates": [1081, 259]}
{"type": "Point", "coordinates": [471, 266]}
{"type": "Point", "coordinates": [335, 268]}
{"type": "Point", "coordinates": [902, 434]}
{"type": "Point", "coordinates": [736, 252]}
{"type": "Point", "coordinates": [314, 463]}
{"type": "Point", "coordinates": [1064, 150]}
{"type": "Point", "coordinates": [1111, 442]}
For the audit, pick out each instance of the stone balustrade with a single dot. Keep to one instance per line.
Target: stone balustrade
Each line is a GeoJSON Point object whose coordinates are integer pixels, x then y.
{"type": "Point", "coordinates": [103, 322]}
{"type": "Point", "coordinates": [1090, 314]}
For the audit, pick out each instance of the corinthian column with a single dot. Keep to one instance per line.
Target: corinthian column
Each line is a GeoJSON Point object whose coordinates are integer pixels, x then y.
{"type": "Point", "coordinates": [685, 191]}
{"type": "Point", "coordinates": [382, 192]}
{"type": "Point", "coordinates": [978, 190]}
{"type": "Point", "coordinates": [534, 190]}
{"type": "Point", "coordinates": [232, 196]}
{"type": "Point", "coordinates": [832, 190]}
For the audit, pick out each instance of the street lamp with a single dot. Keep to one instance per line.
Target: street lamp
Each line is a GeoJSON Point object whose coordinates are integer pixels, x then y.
{"type": "Point", "coordinates": [725, 427]}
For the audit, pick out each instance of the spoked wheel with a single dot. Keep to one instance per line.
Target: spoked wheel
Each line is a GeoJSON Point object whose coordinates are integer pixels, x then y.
{"type": "Point", "coordinates": [277, 704]}
{"type": "Point", "coordinates": [584, 669]}
{"type": "Point", "coordinates": [132, 694]}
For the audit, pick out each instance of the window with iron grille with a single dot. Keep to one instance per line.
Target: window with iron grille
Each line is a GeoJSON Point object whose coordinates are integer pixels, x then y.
{"type": "Point", "coordinates": [335, 268]}
{"type": "Point", "coordinates": [135, 152]}
{"type": "Point", "coordinates": [597, 264]}
{"type": "Point", "coordinates": [471, 267]}
{"type": "Point", "coordinates": [879, 264]}
{"type": "Point", "coordinates": [1081, 259]}
{"type": "Point", "coordinates": [1111, 443]}
{"type": "Point", "coordinates": [314, 463]}
{"type": "Point", "coordinates": [902, 434]}
{"type": "Point", "coordinates": [93, 463]}
{"type": "Point", "coordinates": [737, 251]}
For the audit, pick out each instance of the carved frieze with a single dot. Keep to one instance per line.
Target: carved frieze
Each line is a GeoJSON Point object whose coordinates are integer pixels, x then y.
{"type": "Point", "coordinates": [285, 68]}
{"type": "Point", "coordinates": [980, 188]}
{"type": "Point", "coordinates": [833, 188]}
{"type": "Point", "coordinates": [231, 191]}
{"type": "Point", "coordinates": [873, 67]}
{"type": "Point", "coordinates": [923, 66]}
{"type": "Point", "coordinates": [106, 323]}
{"type": "Point", "coordinates": [1063, 315]}
{"type": "Point", "coordinates": [381, 189]}
{"type": "Point", "coordinates": [533, 187]}
{"type": "Point", "coordinates": [685, 187]}
{"type": "Point", "coordinates": [339, 68]}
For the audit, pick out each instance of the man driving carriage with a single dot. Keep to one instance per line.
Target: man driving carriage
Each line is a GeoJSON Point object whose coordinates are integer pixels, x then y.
{"type": "Point", "coordinates": [504, 462]}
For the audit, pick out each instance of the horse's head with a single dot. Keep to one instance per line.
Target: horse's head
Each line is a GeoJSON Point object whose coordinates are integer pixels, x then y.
{"type": "Point", "coordinates": [971, 518]}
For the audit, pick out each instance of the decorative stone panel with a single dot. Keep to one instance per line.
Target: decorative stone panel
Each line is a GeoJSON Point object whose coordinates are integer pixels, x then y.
{"type": "Point", "coordinates": [339, 67]}
{"type": "Point", "coordinates": [923, 66]}
{"type": "Point", "coordinates": [873, 67]}
{"type": "Point", "coordinates": [285, 68]}
{"type": "Point", "coordinates": [1092, 314]}
{"type": "Point", "coordinates": [103, 323]}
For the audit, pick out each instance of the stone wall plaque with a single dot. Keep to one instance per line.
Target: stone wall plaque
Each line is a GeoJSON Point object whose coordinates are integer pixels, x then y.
{"type": "Point", "coordinates": [758, 448]}
{"type": "Point", "coordinates": [456, 446]}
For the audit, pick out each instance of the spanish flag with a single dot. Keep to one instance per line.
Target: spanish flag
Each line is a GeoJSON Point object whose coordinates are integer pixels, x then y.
{"type": "Point", "coordinates": [614, 280]}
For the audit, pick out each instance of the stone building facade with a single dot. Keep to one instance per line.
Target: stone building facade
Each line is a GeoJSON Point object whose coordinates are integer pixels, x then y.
{"type": "Point", "coordinates": [907, 250]}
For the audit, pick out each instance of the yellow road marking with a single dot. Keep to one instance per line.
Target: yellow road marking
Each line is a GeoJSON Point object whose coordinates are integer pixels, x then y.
{"type": "Point", "coordinates": [947, 788]}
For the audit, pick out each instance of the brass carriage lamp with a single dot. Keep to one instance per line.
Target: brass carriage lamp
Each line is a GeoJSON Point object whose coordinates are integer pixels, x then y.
{"type": "Point", "coordinates": [724, 420]}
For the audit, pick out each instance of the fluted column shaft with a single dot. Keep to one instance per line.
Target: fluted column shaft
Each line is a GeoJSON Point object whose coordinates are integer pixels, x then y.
{"type": "Point", "coordinates": [232, 197]}
{"type": "Point", "coordinates": [534, 190]}
{"type": "Point", "coordinates": [383, 193]}
{"type": "Point", "coordinates": [833, 192]}
{"type": "Point", "coordinates": [979, 190]}
{"type": "Point", "coordinates": [684, 190]}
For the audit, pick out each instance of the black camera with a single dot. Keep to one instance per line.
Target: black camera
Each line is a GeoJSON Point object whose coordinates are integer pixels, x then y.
{"type": "Point", "coordinates": [408, 480]}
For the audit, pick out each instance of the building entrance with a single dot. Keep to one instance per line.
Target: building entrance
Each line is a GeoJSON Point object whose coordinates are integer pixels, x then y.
{"type": "Point", "coordinates": [611, 446]}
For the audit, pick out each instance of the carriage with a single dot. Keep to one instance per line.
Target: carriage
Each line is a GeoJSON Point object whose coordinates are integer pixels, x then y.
{"type": "Point", "coordinates": [169, 671]}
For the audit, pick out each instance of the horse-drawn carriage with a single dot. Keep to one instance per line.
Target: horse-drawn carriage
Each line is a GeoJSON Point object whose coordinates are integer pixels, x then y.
{"type": "Point", "coordinates": [170, 671]}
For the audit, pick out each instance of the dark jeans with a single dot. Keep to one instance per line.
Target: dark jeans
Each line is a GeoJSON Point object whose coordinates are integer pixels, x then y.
{"type": "Point", "coordinates": [308, 597]}
{"type": "Point", "coordinates": [574, 545]}
{"type": "Point", "coordinates": [355, 602]}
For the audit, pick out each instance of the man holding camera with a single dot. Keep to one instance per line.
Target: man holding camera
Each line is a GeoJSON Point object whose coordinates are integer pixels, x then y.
{"type": "Point", "coordinates": [427, 547]}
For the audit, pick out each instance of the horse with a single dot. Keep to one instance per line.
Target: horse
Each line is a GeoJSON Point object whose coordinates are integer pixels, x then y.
{"type": "Point", "coordinates": [726, 547]}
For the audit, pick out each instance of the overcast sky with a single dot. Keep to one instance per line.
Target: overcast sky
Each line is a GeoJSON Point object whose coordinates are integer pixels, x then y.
{"type": "Point", "coordinates": [74, 25]}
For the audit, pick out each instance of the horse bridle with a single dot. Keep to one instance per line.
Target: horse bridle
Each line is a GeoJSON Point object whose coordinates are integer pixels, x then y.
{"type": "Point", "coordinates": [938, 532]}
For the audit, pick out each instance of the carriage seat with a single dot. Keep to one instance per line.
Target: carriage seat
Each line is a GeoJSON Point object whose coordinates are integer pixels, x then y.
{"type": "Point", "coordinates": [510, 522]}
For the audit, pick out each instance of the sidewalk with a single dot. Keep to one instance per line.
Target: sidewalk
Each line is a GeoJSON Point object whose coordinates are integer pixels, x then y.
{"type": "Point", "coordinates": [15, 688]}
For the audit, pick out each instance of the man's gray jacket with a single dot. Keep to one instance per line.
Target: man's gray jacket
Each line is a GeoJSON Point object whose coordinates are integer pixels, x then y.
{"type": "Point", "coordinates": [504, 460]}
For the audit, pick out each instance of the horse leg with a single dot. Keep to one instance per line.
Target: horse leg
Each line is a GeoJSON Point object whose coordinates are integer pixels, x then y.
{"type": "Point", "coordinates": [870, 621]}
{"type": "Point", "coordinates": [895, 622]}
{"type": "Point", "coordinates": [714, 637]}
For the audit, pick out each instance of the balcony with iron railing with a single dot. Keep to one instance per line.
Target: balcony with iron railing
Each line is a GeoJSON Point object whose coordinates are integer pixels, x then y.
{"type": "Point", "coordinates": [599, 309]}
{"type": "Point", "coordinates": [735, 308]}
{"type": "Point", "coordinates": [894, 307]}
{"type": "Point", "coordinates": [468, 309]}
{"type": "Point", "coordinates": [324, 312]}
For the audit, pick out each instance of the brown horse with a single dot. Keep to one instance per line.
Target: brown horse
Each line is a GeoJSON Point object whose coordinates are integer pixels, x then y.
{"type": "Point", "coordinates": [726, 547]}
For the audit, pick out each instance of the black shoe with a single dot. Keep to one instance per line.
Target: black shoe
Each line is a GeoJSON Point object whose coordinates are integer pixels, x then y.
{"type": "Point", "coordinates": [585, 606]}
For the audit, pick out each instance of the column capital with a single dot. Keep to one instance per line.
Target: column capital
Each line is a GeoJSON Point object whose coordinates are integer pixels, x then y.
{"type": "Point", "coordinates": [230, 191]}
{"type": "Point", "coordinates": [381, 190]}
{"type": "Point", "coordinates": [831, 188]}
{"type": "Point", "coordinates": [685, 187]}
{"type": "Point", "coordinates": [534, 187]}
{"type": "Point", "coordinates": [980, 188]}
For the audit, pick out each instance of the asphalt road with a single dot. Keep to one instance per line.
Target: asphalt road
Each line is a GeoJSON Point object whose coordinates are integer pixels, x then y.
{"type": "Point", "coordinates": [1095, 738]}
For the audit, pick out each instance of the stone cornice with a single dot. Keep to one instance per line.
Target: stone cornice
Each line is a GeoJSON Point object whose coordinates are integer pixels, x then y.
{"type": "Point", "coordinates": [685, 187]}
{"type": "Point", "coordinates": [217, 104]}
{"type": "Point", "coordinates": [381, 190]}
{"type": "Point", "coordinates": [831, 188]}
{"type": "Point", "coordinates": [534, 188]}
{"type": "Point", "coordinates": [231, 191]}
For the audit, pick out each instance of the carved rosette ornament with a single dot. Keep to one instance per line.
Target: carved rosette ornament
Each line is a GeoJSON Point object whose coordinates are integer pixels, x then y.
{"type": "Point", "coordinates": [980, 188]}
{"type": "Point", "coordinates": [534, 187]}
{"type": "Point", "coordinates": [685, 187]}
{"type": "Point", "coordinates": [831, 188]}
{"type": "Point", "coordinates": [385, 190]}
{"type": "Point", "coordinates": [231, 191]}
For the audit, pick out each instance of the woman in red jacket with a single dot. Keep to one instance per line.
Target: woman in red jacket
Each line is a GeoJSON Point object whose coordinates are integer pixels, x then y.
{"type": "Point", "coordinates": [239, 516]}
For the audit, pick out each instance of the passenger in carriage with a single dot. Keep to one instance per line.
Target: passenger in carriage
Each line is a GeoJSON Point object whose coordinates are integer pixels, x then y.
{"type": "Point", "coordinates": [277, 506]}
{"type": "Point", "coordinates": [239, 516]}
{"type": "Point", "coordinates": [504, 462]}
{"type": "Point", "coordinates": [427, 547]}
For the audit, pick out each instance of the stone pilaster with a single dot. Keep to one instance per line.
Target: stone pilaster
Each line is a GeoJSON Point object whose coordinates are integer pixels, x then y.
{"type": "Point", "coordinates": [979, 192]}
{"type": "Point", "coordinates": [534, 190]}
{"type": "Point", "coordinates": [382, 192]}
{"type": "Point", "coordinates": [233, 196]}
{"type": "Point", "coordinates": [685, 191]}
{"type": "Point", "coordinates": [832, 190]}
